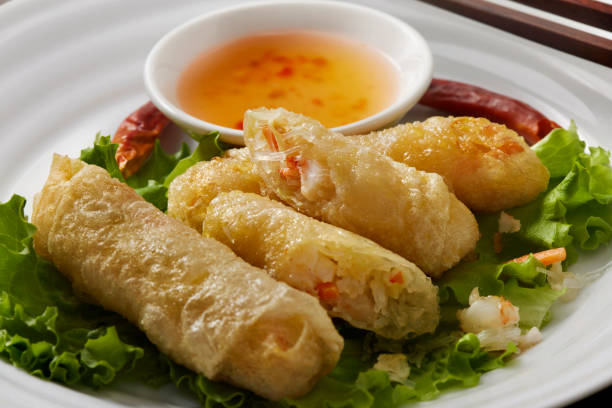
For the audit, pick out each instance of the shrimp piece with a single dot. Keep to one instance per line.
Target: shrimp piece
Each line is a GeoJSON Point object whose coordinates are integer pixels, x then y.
{"type": "Point", "coordinates": [495, 320]}
{"type": "Point", "coordinates": [487, 312]}
{"type": "Point", "coordinates": [488, 166]}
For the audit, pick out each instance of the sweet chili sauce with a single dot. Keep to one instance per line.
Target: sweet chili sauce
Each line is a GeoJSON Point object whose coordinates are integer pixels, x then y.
{"type": "Point", "coordinates": [331, 78]}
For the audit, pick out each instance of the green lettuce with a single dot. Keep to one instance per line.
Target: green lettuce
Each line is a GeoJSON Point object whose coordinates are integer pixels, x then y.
{"type": "Point", "coordinates": [449, 363]}
{"type": "Point", "coordinates": [44, 328]}
{"type": "Point", "coordinates": [50, 332]}
{"type": "Point", "coordinates": [575, 210]}
{"type": "Point", "coordinates": [153, 179]}
{"type": "Point", "coordinates": [209, 146]}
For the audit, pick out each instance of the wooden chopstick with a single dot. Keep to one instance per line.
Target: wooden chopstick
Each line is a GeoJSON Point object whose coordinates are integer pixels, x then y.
{"type": "Point", "coordinates": [582, 44]}
{"type": "Point", "coordinates": [591, 12]}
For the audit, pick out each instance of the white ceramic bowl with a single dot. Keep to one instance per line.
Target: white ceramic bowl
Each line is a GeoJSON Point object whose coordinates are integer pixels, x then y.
{"type": "Point", "coordinates": [405, 47]}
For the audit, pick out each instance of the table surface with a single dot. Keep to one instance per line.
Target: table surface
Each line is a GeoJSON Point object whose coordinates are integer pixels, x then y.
{"type": "Point", "coordinates": [579, 27]}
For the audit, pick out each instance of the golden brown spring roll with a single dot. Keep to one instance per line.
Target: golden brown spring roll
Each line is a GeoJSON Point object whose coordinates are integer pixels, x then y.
{"type": "Point", "coordinates": [288, 244]}
{"type": "Point", "coordinates": [354, 278]}
{"type": "Point", "coordinates": [193, 297]}
{"type": "Point", "coordinates": [325, 175]}
{"type": "Point", "coordinates": [191, 192]}
{"type": "Point", "coordinates": [488, 166]}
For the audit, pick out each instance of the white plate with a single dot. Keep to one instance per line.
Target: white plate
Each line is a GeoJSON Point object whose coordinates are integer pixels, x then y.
{"type": "Point", "coordinates": [71, 69]}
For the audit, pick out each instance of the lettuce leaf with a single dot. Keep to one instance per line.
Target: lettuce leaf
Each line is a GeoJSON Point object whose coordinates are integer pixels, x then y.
{"type": "Point", "coordinates": [102, 154]}
{"type": "Point", "coordinates": [521, 283]}
{"type": "Point", "coordinates": [48, 331]}
{"type": "Point", "coordinates": [575, 210]}
{"type": "Point", "coordinates": [559, 150]}
{"type": "Point", "coordinates": [44, 328]}
{"type": "Point", "coordinates": [209, 146]}
{"type": "Point", "coordinates": [158, 166]}
{"type": "Point", "coordinates": [353, 383]}
{"type": "Point", "coordinates": [153, 179]}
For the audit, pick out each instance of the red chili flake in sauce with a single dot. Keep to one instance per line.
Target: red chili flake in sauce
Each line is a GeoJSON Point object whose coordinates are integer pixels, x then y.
{"type": "Point", "coordinates": [282, 59]}
{"type": "Point", "coordinates": [276, 93]}
{"type": "Point", "coordinates": [247, 73]}
{"type": "Point", "coordinates": [285, 72]}
{"type": "Point", "coordinates": [317, 101]}
{"type": "Point", "coordinates": [319, 61]}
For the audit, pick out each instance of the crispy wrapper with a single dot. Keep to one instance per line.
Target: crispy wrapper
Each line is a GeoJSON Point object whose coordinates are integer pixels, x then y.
{"type": "Point", "coordinates": [488, 166]}
{"type": "Point", "coordinates": [377, 290]}
{"type": "Point", "coordinates": [191, 192]}
{"type": "Point", "coordinates": [355, 279]}
{"type": "Point", "coordinates": [193, 297]}
{"type": "Point", "coordinates": [325, 175]}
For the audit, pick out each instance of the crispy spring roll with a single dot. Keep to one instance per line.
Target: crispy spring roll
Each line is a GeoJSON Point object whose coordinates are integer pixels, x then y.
{"type": "Point", "coordinates": [312, 256]}
{"type": "Point", "coordinates": [354, 278]}
{"type": "Point", "coordinates": [488, 166]}
{"type": "Point", "coordinates": [193, 297]}
{"type": "Point", "coordinates": [191, 192]}
{"type": "Point", "coordinates": [325, 175]}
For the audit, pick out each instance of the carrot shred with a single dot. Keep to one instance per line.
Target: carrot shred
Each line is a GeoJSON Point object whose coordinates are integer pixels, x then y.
{"type": "Point", "coordinates": [289, 173]}
{"type": "Point", "coordinates": [397, 278]}
{"type": "Point", "coordinates": [548, 257]}
{"type": "Point", "coordinates": [272, 143]}
{"type": "Point", "coordinates": [328, 291]}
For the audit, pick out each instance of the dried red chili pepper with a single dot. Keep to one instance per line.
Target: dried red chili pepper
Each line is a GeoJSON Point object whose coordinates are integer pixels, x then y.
{"type": "Point", "coordinates": [136, 137]}
{"type": "Point", "coordinates": [137, 133]}
{"type": "Point", "coordinates": [458, 98]}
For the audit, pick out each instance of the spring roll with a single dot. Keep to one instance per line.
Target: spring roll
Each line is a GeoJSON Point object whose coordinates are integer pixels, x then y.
{"type": "Point", "coordinates": [191, 192]}
{"type": "Point", "coordinates": [306, 253]}
{"type": "Point", "coordinates": [488, 166]}
{"type": "Point", "coordinates": [354, 278]}
{"type": "Point", "coordinates": [325, 175]}
{"type": "Point", "coordinates": [193, 297]}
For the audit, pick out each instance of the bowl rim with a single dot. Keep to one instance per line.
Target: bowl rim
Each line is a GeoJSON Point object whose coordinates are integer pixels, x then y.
{"type": "Point", "coordinates": [389, 115]}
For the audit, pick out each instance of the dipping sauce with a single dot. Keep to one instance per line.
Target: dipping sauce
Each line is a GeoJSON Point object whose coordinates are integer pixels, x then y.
{"type": "Point", "coordinates": [331, 78]}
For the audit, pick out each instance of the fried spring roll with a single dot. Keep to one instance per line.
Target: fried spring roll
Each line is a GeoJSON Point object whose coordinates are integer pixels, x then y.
{"type": "Point", "coordinates": [488, 166]}
{"type": "Point", "coordinates": [191, 192]}
{"type": "Point", "coordinates": [193, 297]}
{"type": "Point", "coordinates": [354, 278]}
{"type": "Point", "coordinates": [325, 175]}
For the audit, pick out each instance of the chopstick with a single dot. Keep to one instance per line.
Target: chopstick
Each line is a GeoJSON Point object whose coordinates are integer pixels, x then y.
{"type": "Point", "coordinates": [593, 13]}
{"type": "Point", "coordinates": [573, 41]}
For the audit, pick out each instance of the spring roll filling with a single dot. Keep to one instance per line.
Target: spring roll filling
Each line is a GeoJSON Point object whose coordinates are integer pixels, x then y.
{"type": "Point", "coordinates": [297, 172]}
{"type": "Point", "coordinates": [359, 298]}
